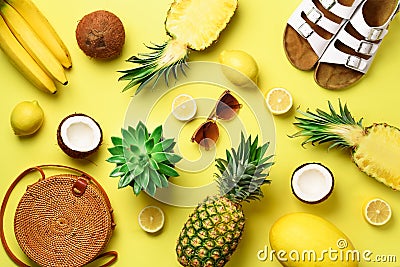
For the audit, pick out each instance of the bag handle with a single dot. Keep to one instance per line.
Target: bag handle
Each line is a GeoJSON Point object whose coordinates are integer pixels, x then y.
{"type": "Point", "coordinates": [13, 257]}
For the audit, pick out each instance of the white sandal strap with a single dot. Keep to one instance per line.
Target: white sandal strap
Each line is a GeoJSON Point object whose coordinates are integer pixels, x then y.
{"type": "Point", "coordinates": [317, 42]}
{"type": "Point", "coordinates": [334, 56]}
{"type": "Point", "coordinates": [370, 33]}
{"type": "Point", "coordinates": [340, 10]}
{"type": "Point", "coordinates": [360, 46]}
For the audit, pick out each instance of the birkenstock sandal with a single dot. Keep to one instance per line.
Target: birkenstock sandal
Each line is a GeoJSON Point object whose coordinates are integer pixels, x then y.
{"type": "Point", "coordinates": [311, 27]}
{"type": "Point", "coordinates": [350, 54]}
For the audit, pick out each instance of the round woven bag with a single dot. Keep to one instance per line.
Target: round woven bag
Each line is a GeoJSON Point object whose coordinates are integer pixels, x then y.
{"type": "Point", "coordinates": [63, 220]}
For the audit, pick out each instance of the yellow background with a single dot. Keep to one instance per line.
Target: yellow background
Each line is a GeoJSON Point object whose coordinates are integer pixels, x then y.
{"type": "Point", "coordinates": [256, 28]}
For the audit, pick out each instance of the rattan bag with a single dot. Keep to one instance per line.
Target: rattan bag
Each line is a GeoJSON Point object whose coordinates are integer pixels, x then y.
{"type": "Point", "coordinates": [61, 220]}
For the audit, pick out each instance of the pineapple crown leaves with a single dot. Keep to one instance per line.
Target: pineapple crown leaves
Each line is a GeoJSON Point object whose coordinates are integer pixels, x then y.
{"type": "Point", "coordinates": [323, 127]}
{"type": "Point", "coordinates": [242, 173]}
{"type": "Point", "coordinates": [153, 66]}
{"type": "Point", "coordinates": [143, 160]}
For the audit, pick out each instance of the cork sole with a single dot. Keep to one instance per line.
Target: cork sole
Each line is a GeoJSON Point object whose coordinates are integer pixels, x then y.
{"type": "Point", "coordinates": [298, 51]}
{"type": "Point", "coordinates": [333, 76]}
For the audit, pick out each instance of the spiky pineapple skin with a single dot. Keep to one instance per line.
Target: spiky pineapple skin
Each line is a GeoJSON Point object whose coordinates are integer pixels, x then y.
{"type": "Point", "coordinates": [211, 234]}
{"type": "Point", "coordinates": [378, 154]}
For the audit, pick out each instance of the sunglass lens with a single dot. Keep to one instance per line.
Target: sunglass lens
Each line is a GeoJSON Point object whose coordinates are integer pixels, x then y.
{"type": "Point", "coordinates": [206, 135]}
{"type": "Point", "coordinates": [227, 107]}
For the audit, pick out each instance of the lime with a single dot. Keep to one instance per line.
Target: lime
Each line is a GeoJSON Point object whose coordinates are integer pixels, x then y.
{"type": "Point", "coordinates": [239, 61]}
{"type": "Point", "coordinates": [279, 101]}
{"type": "Point", "coordinates": [151, 219]}
{"type": "Point", "coordinates": [184, 107]}
{"type": "Point", "coordinates": [26, 118]}
{"type": "Point", "coordinates": [377, 211]}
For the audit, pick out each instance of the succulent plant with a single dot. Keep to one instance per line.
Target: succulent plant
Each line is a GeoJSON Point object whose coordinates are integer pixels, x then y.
{"type": "Point", "coordinates": [144, 161]}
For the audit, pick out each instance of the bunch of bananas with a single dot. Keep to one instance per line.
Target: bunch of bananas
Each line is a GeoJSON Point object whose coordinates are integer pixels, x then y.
{"type": "Point", "coordinates": [32, 44]}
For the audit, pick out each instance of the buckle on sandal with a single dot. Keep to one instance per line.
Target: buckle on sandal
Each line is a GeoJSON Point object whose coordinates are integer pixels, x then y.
{"type": "Point", "coordinates": [365, 48]}
{"type": "Point", "coordinates": [305, 30]}
{"type": "Point", "coordinates": [374, 34]}
{"type": "Point", "coordinates": [314, 15]}
{"type": "Point", "coordinates": [328, 4]}
{"type": "Point", "coordinates": [354, 62]}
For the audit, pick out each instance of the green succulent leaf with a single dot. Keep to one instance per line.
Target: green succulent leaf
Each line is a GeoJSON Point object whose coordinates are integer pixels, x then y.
{"type": "Point", "coordinates": [151, 188]}
{"type": "Point", "coordinates": [149, 145]}
{"type": "Point", "coordinates": [167, 170]}
{"type": "Point", "coordinates": [143, 161]}
{"type": "Point", "coordinates": [116, 159]}
{"type": "Point", "coordinates": [116, 172]}
{"type": "Point", "coordinates": [116, 150]}
{"type": "Point", "coordinates": [137, 170]}
{"type": "Point", "coordinates": [132, 131]}
{"type": "Point", "coordinates": [153, 164]}
{"type": "Point", "coordinates": [125, 180]}
{"type": "Point", "coordinates": [165, 145]}
{"type": "Point", "coordinates": [137, 188]}
{"type": "Point", "coordinates": [127, 137]}
{"type": "Point", "coordinates": [135, 149]}
{"type": "Point", "coordinates": [145, 178]}
{"type": "Point", "coordinates": [155, 177]}
{"type": "Point", "coordinates": [156, 134]}
{"type": "Point", "coordinates": [117, 141]}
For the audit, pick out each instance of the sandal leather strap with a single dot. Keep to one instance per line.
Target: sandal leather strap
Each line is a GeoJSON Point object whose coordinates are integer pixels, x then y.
{"type": "Point", "coordinates": [368, 46]}
{"type": "Point", "coordinates": [317, 42]}
{"type": "Point", "coordinates": [342, 11]}
{"type": "Point", "coordinates": [13, 257]}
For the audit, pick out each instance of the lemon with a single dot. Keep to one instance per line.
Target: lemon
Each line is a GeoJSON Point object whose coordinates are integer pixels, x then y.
{"type": "Point", "coordinates": [239, 61]}
{"type": "Point", "coordinates": [377, 211]}
{"type": "Point", "coordinates": [151, 219]}
{"type": "Point", "coordinates": [184, 107]}
{"type": "Point", "coordinates": [26, 118]}
{"type": "Point", "coordinates": [279, 101]}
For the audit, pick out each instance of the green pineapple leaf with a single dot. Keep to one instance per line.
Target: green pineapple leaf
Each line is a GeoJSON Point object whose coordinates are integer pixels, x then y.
{"type": "Point", "coordinates": [244, 170]}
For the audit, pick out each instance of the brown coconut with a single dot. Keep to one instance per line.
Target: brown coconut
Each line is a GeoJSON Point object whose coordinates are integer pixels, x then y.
{"type": "Point", "coordinates": [100, 35]}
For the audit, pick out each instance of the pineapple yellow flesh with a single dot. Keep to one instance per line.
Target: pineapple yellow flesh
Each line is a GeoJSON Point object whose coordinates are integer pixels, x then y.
{"type": "Point", "coordinates": [378, 154]}
{"type": "Point", "coordinates": [198, 23]}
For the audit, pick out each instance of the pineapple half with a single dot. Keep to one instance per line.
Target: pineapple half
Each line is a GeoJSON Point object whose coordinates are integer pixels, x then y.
{"type": "Point", "coordinates": [193, 24]}
{"type": "Point", "coordinates": [375, 149]}
{"type": "Point", "coordinates": [214, 229]}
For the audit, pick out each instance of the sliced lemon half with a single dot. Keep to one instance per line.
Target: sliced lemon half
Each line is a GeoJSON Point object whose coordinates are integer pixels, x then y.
{"type": "Point", "coordinates": [377, 211]}
{"type": "Point", "coordinates": [279, 101]}
{"type": "Point", "coordinates": [151, 219]}
{"type": "Point", "coordinates": [184, 107]}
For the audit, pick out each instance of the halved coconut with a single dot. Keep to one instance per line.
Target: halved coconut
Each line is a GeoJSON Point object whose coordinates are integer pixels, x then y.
{"type": "Point", "coordinates": [312, 183]}
{"type": "Point", "coordinates": [79, 135]}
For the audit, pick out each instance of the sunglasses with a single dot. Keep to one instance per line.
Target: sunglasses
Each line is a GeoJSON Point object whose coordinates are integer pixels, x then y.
{"type": "Point", "coordinates": [226, 108]}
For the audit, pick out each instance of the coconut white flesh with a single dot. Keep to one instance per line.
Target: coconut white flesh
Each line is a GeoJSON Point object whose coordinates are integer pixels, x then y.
{"type": "Point", "coordinates": [80, 133]}
{"type": "Point", "coordinates": [312, 182]}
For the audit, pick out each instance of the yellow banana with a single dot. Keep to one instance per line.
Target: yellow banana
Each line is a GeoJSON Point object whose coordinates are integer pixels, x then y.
{"type": "Point", "coordinates": [31, 42]}
{"type": "Point", "coordinates": [28, 10]}
{"type": "Point", "coordinates": [23, 61]}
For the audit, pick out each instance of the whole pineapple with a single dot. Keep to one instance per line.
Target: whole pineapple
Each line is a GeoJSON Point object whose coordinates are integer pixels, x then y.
{"type": "Point", "coordinates": [214, 229]}
{"type": "Point", "coordinates": [191, 24]}
{"type": "Point", "coordinates": [375, 149]}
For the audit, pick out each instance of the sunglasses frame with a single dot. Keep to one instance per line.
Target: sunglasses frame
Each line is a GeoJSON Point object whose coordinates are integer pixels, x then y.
{"type": "Point", "coordinates": [213, 117]}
